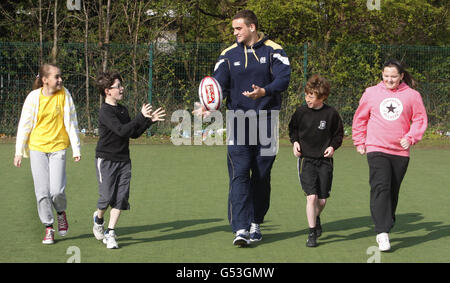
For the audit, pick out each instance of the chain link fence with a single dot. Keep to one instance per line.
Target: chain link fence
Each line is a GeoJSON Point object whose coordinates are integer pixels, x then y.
{"type": "Point", "coordinates": [168, 75]}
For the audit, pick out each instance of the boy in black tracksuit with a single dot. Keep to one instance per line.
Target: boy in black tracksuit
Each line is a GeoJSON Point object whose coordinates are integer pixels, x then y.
{"type": "Point", "coordinates": [316, 131]}
{"type": "Point", "coordinates": [112, 155]}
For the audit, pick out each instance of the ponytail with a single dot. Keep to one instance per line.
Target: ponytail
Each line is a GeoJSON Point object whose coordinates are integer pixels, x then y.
{"type": "Point", "coordinates": [38, 82]}
{"type": "Point", "coordinates": [407, 78]}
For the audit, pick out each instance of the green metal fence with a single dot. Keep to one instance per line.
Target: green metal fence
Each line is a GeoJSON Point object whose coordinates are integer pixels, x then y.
{"type": "Point", "coordinates": [168, 76]}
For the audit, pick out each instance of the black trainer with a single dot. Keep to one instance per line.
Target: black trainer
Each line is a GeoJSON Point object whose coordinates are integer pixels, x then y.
{"type": "Point", "coordinates": [318, 227]}
{"type": "Point", "coordinates": [312, 240]}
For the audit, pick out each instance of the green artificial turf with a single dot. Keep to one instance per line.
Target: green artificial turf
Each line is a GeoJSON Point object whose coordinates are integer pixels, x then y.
{"type": "Point", "coordinates": [179, 211]}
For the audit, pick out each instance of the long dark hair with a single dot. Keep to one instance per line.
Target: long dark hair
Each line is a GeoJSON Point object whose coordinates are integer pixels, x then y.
{"type": "Point", "coordinates": [407, 78]}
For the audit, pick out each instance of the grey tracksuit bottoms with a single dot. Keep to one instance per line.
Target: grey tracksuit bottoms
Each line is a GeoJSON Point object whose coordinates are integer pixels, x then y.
{"type": "Point", "coordinates": [49, 176]}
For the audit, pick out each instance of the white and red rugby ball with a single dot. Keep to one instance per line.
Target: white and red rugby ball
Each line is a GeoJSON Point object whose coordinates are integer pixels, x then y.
{"type": "Point", "coordinates": [210, 93]}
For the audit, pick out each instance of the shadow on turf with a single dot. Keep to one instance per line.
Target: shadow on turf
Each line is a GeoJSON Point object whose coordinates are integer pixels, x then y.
{"type": "Point", "coordinates": [171, 227]}
{"type": "Point", "coordinates": [163, 227]}
{"type": "Point", "coordinates": [405, 223]}
{"type": "Point", "coordinates": [409, 223]}
{"type": "Point", "coordinates": [336, 231]}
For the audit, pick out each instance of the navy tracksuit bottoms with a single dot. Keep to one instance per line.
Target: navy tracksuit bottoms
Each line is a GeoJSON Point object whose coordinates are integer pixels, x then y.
{"type": "Point", "coordinates": [249, 192]}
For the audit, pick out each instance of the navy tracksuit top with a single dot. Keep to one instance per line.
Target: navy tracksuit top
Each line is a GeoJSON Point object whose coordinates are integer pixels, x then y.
{"type": "Point", "coordinates": [264, 64]}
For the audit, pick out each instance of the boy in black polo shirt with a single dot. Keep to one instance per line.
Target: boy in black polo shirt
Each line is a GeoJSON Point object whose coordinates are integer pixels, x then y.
{"type": "Point", "coordinates": [112, 157]}
{"type": "Point", "coordinates": [316, 131]}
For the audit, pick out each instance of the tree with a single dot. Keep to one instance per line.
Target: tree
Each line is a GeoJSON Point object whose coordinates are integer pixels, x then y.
{"type": "Point", "coordinates": [86, 62]}
{"type": "Point", "coordinates": [41, 51]}
{"type": "Point", "coordinates": [107, 32]}
{"type": "Point", "coordinates": [55, 32]}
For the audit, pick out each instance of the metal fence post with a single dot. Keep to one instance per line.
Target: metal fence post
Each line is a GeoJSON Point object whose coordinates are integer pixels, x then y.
{"type": "Point", "coordinates": [150, 79]}
{"type": "Point", "coordinates": [150, 73]}
{"type": "Point", "coordinates": [305, 63]}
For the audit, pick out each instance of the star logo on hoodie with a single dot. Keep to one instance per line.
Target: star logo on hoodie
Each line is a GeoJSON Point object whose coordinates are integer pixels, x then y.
{"type": "Point", "coordinates": [391, 108]}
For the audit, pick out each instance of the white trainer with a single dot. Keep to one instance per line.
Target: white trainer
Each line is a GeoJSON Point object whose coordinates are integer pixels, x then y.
{"type": "Point", "coordinates": [242, 238]}
{"type": "Point", "coordinates": [255, 232]}
{"type": "Point", "coordinates": [98, 229]}
{"type": "Point", "coordinates": [383, 242]}
{"type": "Point", "coordinates": [110, 240]}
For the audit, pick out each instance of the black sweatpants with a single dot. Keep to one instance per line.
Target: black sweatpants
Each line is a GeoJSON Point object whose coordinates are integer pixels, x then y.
{"type": "Point", "coordinates": [386, 174]}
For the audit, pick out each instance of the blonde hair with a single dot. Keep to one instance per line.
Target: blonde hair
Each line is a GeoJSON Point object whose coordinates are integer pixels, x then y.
{"type": "Point", "coordinates": [44, 71]}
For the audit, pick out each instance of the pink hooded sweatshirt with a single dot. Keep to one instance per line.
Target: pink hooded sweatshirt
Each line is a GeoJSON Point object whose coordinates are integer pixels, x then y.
{"type": "Point", "coordinates": [386, 116]}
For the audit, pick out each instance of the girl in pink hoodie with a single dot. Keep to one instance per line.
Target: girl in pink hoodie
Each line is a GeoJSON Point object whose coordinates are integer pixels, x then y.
{"type": "Point", "coordinates": [390, 118]}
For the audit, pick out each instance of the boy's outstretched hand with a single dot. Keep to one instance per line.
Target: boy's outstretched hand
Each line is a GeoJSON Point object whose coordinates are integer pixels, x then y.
{"type": "Point", "coordinates": [155, 116]}
{"type": "Point", "coordinates": [146, 110]}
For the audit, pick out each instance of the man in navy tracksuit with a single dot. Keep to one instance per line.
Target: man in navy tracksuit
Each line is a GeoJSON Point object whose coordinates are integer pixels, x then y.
{"type": "Point", "coordinates": [252, 73]}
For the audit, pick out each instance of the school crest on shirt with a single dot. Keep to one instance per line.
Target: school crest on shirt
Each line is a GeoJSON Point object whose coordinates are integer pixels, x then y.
{"type": "Point", "coordinates": [391, 108]}
{"type": "Point", "coordinates": [322, 125]}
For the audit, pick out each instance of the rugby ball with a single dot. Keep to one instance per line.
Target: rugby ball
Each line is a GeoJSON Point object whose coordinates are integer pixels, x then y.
{"type": "Point", "coordinates": [210, 93]}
